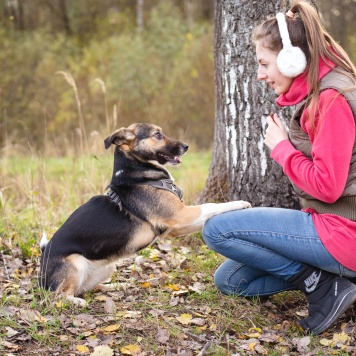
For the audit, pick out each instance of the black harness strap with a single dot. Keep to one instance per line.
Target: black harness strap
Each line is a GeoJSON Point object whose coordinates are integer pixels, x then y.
{"type": "Point", "coordinates": [166, 184]}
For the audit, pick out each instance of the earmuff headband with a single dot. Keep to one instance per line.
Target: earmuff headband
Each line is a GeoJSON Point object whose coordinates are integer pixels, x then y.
{"type": "Point", "coordinates": [291, 60]}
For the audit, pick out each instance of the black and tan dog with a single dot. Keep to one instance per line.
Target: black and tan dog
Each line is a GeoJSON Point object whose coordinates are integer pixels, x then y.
{"type": "Point", "coordinates": [143, 203]}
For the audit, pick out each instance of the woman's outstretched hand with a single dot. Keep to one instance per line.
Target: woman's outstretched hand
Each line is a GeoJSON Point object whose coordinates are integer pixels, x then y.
{"type": "Point", "coordinates": [275, 132]}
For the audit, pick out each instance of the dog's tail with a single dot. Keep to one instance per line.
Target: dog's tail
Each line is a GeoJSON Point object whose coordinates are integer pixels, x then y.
{"type": "Point", "coordinates": [44, 241]}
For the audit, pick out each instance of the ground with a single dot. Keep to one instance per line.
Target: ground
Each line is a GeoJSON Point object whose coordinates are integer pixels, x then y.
{"type": "Point", "coordinates": [165, 303]}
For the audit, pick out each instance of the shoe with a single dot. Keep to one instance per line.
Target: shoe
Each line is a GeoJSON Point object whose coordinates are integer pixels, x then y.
{"type": "Point", "coordinates": [328, 295]}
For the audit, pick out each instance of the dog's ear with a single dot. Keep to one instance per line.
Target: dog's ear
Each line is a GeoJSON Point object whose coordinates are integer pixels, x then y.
{"type": "Point", "coordinates": [119, 137]}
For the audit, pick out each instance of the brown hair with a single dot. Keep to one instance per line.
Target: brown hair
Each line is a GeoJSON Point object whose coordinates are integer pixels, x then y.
{"type": "Point", "coordinates": [305, 31]}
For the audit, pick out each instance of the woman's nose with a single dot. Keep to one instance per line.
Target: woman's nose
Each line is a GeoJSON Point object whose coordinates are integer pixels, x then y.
{"type": "Point", "coordinates": [261, 74]}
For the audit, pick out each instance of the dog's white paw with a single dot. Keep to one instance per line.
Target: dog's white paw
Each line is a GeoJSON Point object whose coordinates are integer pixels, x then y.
{"type": "Point", "coordinates": [80, 302]}
{"type": "Point", "coordinates": [106, 287]}
{"type": "Point", "coordinates": [241, 204]}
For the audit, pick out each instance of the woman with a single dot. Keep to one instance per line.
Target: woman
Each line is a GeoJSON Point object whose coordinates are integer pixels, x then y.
{"type": "Point", "coordinates": [271, 250]}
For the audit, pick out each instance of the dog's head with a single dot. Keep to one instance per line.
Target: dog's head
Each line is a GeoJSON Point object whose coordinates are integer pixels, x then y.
{"type": "Point", "coordinates": [147, 143]}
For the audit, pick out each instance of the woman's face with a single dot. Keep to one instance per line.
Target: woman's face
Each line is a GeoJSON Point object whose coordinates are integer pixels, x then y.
{"type": "Point", "coordinates": [268, 71]}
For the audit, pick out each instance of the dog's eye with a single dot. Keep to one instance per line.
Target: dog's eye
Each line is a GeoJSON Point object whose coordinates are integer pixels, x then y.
{"type": "Point", "coordinates": [158, 135]}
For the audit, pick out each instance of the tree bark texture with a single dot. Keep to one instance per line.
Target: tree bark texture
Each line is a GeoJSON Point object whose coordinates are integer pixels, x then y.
{"type": "Point", "coordinates": [241, 163]}
{"type": "Point", "coordinates": [216, 187]}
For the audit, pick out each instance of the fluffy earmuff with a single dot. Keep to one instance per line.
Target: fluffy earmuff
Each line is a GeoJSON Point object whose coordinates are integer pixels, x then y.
{"type": "Point", "coordinates": [291, 60]}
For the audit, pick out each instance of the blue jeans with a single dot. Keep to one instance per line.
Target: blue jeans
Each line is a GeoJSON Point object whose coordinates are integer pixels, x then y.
{"type": "Point", "coordinates": [265, 247]}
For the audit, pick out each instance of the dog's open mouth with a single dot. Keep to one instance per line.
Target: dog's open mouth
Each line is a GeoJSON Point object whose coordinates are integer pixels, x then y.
{"type": "Point", "coordinates": [170, 159]}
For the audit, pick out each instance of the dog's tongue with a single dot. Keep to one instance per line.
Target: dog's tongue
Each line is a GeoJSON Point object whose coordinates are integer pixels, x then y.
{"type": "Point", "coordinates": [177, 158]}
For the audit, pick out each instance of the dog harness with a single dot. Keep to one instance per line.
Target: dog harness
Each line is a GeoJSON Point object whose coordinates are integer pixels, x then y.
{"type": "Point", "coordinates": [166, 184]}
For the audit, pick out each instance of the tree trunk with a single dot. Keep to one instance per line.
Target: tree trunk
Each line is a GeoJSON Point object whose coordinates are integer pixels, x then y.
{"type": "Point", "coordinates": [139, 15]}
{"type": "Point", "coordinates": [216, 187]}
{"type": "Point", "coordinates": [241, 167]}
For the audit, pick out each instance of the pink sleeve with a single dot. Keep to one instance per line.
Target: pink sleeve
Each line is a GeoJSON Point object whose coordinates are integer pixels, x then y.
{"type": "Point", "coordinates": [324, 177]}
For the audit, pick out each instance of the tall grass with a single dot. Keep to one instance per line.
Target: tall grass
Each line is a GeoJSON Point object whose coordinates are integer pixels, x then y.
{"type": "Point", "coordinates": [38, 193]}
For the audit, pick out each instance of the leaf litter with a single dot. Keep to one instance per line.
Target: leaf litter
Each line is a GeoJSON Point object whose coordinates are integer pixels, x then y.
{"type": "Point", "coordinates": [158, 308]}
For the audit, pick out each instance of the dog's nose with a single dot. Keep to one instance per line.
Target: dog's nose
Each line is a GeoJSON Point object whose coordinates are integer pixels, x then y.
{"type": "Point", "coordinates": [185, 147]}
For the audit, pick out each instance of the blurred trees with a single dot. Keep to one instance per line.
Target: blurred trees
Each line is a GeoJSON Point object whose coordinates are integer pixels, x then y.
{"type": "Point", "coordinates": [132, 60]}
{"type": "Point", "coordinates": [161, 74]}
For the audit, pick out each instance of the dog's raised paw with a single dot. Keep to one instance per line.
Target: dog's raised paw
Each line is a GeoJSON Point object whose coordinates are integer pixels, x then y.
{"type": "Point", "coordinates": [243, 204]}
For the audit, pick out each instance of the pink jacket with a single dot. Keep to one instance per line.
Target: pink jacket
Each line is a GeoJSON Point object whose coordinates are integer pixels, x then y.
{"type": "Point", "coordinates": [323, 178]}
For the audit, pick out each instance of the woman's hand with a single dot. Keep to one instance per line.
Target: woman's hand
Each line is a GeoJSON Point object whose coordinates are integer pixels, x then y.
{"type": "Point", "coordinates": [275, 132]}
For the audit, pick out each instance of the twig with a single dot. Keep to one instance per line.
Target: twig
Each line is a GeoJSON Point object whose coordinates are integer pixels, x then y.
{"type": "Point", "coordinates": [205, 349]}
{"type": "Point", "coordinates": [196, 337]}
{"type": "Point", "coordinates": [5, 265]}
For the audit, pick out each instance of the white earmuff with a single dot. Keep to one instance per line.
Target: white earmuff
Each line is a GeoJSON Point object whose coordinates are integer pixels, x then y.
{"type": "Point", "coordinates": [291, 60]}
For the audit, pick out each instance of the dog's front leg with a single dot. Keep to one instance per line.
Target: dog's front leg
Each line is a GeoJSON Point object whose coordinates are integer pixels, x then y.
{"type": "Point", "coordinates": [192, 218]}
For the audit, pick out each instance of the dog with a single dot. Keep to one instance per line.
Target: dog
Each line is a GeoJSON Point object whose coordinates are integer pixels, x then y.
{"type": "Point", "coordinates": [143, 204]}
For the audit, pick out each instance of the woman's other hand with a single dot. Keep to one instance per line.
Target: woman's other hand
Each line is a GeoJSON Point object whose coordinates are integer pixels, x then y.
{"type": "Point", "coordinates": [275, 132]}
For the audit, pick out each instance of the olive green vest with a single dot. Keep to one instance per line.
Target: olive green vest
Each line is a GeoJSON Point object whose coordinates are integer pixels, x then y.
{"type": "Point", "coordinates": [345, 206]}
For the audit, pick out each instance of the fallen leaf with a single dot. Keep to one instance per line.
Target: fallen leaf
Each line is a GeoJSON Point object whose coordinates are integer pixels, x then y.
{"type": "Point", "coordinates": [128, 314]}
{"type": "Point", "coordinates": [342, 338]}
{"type": "Point", "coordinates": [197, 321]}
{"type": "Point", "coordinates": [130, 349]}
{"type": "Point", "coordinates": [10, 345]}
{"type": "Point", "coordinates": [302, 344]}
{"type": "Point", "coordinates": [111, 328]}
{"type": "Point", "coordinates": [29, 316]}
{"type": "Point", "coordinates": [213, 327]}
{"type": "Point", "coordinates": [102, 351]}
{"type": "Point", "coordinates": [110, 306]}
{"type": "Point", "coordinates": [252, 345]}
{"type": "Point", "coordinates": [145, 285]}
{"type": "Point", "coordinates": [101, 298]}
{"type": "Point", "coordinates": [82, 349]}
{"type": "Point", "coordinates": [162, 336]}
{"type": "Point", "coordinates": [184, 319]}
{"type": "Point", "coordinates": [325, 342]}
{"type": "Point", "coordinates": [10, 332]}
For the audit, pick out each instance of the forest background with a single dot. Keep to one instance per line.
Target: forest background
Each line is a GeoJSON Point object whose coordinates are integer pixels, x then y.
{"type": "Point", "coordinates": [71, 71]}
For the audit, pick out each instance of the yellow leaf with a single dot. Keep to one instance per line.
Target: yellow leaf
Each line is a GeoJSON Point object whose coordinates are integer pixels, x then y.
{"type": "Point", "coordinates": [342, 338]}
{"type": "Point", "coordinates": [325, 342]}
{"type": "Point", "coordinates": [184, 319]}
{"type": "Point", "coordinates": [59, 304]}
{"type": "Point", "coordinates": [258, 330]}
{"type": "Point", "coordinates": [113, 327]}
{"type": "Point", "coordinates": [130, 349]}
{"type": "Point", "coordinates": [145, 285]}
{"type": "Point", "coordinates": [101, 298]}
{"type": "Point", "coordinates": [254, 335]}
{"type": "Point", "coordinates": [173, 286]}
{"type": "Point", "coordinates": [252, 346]}
{"type": "Point", "coordinates": [82, 349]}
{"type": "Point", "coordinates": [213, 327]}
{"type": "Point", "coordinates": [128, 314]}
{"type": "Point", "coordinates": [102, 351]}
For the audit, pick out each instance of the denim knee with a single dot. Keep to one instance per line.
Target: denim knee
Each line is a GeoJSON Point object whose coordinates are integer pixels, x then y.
{"type": "Point", "coordinates": [223, 283]}
{"type": "Point", "coordinates": [208, 232]}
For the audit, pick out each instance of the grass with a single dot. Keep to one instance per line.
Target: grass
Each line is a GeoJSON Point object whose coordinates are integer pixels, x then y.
{"type": "Point", "coordinates": [165, 303]}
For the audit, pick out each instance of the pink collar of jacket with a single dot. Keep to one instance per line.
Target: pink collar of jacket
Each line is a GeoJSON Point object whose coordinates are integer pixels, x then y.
{"type": "Point", "coordinates": [299, 89]}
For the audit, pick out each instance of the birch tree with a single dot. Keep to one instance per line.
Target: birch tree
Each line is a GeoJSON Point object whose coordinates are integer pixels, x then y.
{"type": "Point", "coordinates": [241, 167]}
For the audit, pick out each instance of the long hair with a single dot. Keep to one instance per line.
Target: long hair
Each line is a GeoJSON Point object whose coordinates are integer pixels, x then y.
{"type": "Point", "coordinates": [306, 31]}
